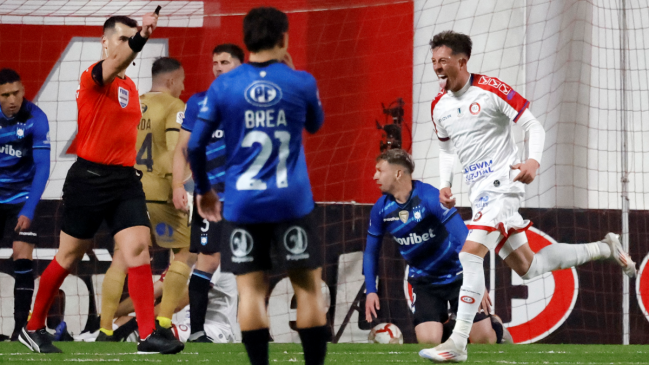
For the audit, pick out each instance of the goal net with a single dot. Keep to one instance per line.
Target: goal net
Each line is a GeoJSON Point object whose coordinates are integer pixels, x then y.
{"type": "Point", "coordinates": [584, 71]}
{"type": "Point", "coordinates": [582, 68]}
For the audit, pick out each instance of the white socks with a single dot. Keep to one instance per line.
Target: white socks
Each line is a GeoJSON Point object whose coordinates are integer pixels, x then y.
{"type": "Point", "coordinates": [562, 256]}
{"type": "Point", "coordinates": [471, 293]}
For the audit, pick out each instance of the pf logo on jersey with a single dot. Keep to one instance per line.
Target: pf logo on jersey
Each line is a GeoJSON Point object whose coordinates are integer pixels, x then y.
{"type": "Point", "coordinates": [241, 243]}
{"type": "Point", "coordinates": [263, 94]}
{"type": "Point", "coordinates": [296, 242]}
{"type": "Point", "coordinates": [122, 95]}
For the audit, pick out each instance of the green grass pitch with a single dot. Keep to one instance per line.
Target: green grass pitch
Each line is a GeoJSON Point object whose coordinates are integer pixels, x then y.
{"type": "Point", "coordinates": [15, 353]}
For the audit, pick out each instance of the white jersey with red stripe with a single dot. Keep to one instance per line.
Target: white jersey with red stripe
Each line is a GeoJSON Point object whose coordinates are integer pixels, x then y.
{"type": "Point", "coordinates": [477, 119]}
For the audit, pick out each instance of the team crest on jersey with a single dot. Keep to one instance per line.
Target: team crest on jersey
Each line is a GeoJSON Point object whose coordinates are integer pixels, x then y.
{"type": "Point", "coordinates": [404, 215]}
{"type": "Point", "coordinates": [143, 108]}
{"type": "Point", "coordinates": [263, 94]}
{"type": "Point", "coordinates": [241, 244]}
{"type": "Point", "coordinates": [474, 108]}
{"type": "Point", "coordinates": [296, 242]}
{"type": "Point", "coordinates": [20, 133]}
{"type": "Point", "coordinates": [122, 95]}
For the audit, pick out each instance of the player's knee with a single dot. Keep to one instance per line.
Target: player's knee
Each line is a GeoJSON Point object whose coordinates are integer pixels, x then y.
{"type": "Point", "coordinates": [307, 280]}
{"type": "Point", "coordinates": [22, 250]}
{"type": "Point", "coordinates": [429, 333]}
{"type": "Point", "coordinates": [535, 269]}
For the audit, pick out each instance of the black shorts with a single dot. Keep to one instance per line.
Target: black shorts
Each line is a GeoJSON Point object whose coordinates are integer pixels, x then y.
{"type": "Point", "coordinates": [205, 235]}
{"type": "Point", "coordinates": [94, 192]}
{"type": "Point", "coordinates": [247, 247]}
{"type": "Point", "coordinates": [434, 303]}
{"type": "Point", "coordinates": [9, 219]}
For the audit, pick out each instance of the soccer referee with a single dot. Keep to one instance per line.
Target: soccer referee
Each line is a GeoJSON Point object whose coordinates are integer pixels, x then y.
{"type": "Point", "coordinates": [103, 185]}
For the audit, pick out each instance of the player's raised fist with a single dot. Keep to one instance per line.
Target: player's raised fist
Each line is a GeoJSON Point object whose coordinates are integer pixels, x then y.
{"type": "Point", "coordinates": [446, 197]}
{"type": "Point", "coordinates": [149, 23]}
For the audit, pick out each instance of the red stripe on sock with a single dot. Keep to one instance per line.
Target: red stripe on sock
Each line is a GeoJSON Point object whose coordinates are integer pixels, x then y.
{"type": "Point", "coordinates": [140, 288]}
{"type": "Point", "coordinates": [50, 283]}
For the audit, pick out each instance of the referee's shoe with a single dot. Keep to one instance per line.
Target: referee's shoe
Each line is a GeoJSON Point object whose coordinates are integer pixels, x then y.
{"type": "Point", "coordinates": [38, 341]}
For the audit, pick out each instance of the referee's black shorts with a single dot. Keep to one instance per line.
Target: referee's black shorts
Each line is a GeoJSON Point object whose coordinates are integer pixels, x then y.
{"type": "Point", "coordinates": [94, 192]}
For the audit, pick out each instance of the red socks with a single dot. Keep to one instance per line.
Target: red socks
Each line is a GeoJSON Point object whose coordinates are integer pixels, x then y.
{"type": "Point", "coordinates": [140, 289]}
{"type": "Point", "coordinates": [51, 281]}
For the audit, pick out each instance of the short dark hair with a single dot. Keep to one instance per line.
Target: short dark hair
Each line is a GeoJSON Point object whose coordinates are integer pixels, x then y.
{"type": "Point", "coordinates": [263, 28]}
{"type": "Point", "coordinates": [457, 42]}
{"type": "Point", "coordinates": [8, 76]}
{"type": "Point", "coordinates": [398, 156]}
{"type": "Point", "coordinates": [163, 65]}
{"type": "Point", "coordinates": [234, 50]}
{"type": "Point", "coordinates": [110, 22]}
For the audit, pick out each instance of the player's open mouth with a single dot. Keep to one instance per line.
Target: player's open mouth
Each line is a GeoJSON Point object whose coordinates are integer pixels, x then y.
{"type": "Point", "coordinates": [441, 77]}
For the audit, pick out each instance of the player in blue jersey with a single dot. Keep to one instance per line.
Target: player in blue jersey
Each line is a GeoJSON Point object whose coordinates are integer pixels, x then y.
{"type": "Point", "coordinates": [205, 235]}
{"type": "Point", "coordinates": [263, 108]}
{"type": "Point", "coordinates": [24, 169]}
{"type": "Point", "coordinates": [430, 238]}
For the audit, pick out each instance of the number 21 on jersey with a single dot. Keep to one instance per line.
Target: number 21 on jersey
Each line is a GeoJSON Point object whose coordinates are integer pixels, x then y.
{"type": "Point", "coordinates": [247, 180]}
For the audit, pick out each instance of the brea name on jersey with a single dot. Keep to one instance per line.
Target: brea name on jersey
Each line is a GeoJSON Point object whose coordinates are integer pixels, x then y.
{"type": "Point", "coordinates": [268, 118]}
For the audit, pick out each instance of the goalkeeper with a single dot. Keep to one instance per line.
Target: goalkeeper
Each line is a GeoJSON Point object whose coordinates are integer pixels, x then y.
{"type": "Point", "coordinates": [430, 238]}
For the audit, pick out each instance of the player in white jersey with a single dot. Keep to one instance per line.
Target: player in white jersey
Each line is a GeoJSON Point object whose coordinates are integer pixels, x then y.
{"type": "Point", "coordinates": [473, 116]}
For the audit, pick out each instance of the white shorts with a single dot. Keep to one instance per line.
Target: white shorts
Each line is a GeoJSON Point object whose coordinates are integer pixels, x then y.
{"type": "Point", "coordinates": [496, 222]}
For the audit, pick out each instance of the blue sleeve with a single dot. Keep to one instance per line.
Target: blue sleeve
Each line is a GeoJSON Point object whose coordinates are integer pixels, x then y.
{"type": "Point", "coordinates": [191, 112]}
{"type": "Point", "coordinates": [208, 121]}
{"type": "Point", "coordinates": [371, 261]}
{"type": "Point", "coordinates": [209, 110]}
{"type": "Point", "coordinates": [314, 113]}
{"type": "Point", "coordinates": [42, 165]}
{"type": "Point", "coordinates": [197, 154]}
{"type": "Point", "coordinates": [41, 155]}
{"type": "Point", "coordinates": [373, 248]}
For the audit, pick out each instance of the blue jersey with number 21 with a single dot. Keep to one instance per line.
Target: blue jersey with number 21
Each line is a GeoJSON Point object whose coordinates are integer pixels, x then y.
{"type": "Point", "coordinates": [262, 109]}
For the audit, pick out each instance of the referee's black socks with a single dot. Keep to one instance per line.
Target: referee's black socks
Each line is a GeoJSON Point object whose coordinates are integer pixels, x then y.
{"type": "Point", "coordinates": [199, 287]}
{"type": "Point", "coordinates": [23, 291]}
{"type": "Point", "coordinates": [256, 343]}
{"type": "Point", "coordinates": [314, 342]}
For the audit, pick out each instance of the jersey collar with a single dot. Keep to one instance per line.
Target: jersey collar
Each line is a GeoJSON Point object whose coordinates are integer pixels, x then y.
{"type": "Point", "coordinates": [412, 191]}
{"type": "Point", "coordinates": [463, 89]}
{"type": "Point", "coordinates": [263, 64]}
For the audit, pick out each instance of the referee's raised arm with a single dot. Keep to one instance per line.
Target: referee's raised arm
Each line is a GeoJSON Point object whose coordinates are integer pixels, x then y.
{"type": "Point", "coordinates": [121, 42]}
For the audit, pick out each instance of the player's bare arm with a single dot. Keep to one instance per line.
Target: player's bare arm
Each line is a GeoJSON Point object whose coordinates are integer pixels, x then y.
{"type": "Point", "coordinates": [446, 197]}
{"type": "Point", "coordinates": [179, 171]}
{"type": "Point", "coordinates": [527, 171]}
{"type": "Point", "coordinates": [372, 304]}
{"type": "Point", "coordinates": [118, 53]}
{"type": "Point", "coordinates": [209, 206]}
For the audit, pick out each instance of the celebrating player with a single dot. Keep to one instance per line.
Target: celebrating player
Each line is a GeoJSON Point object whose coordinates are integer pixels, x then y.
{"type": "Point", "coordinates": [262, 108]}
{"type": "Point", "coordinates": [473, 114]}
{"type": "Point", "coordinates": [24, 168]}
{"type": "Point", "coordinates": [430, 236]}
{"type": "Point", "coordinates": [162, 113]}
{"type": "Point", "coordinates": [205, 235]}
{"type": "Point", "coordinates": [103, 185]}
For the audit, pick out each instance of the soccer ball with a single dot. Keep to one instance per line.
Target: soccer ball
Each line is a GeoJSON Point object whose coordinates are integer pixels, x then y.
{"type": "Point", "coordinates": [386, 333]}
